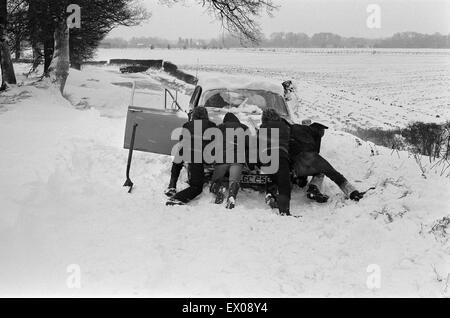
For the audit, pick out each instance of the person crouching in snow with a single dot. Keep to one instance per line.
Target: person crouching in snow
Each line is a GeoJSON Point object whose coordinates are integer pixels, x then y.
{"type": "Point", "coordinates": [196, 169]}
{"type": "Point", "coordinates": [309, 134]}
{"type": "Point", "coordinates": [175, 172]}
{"type": "Point", "coordinates": [308, 162]}
{"type": "Point", "coordinates": [235, 145]}
{"type": "Point", "coordinates": [282, 179]}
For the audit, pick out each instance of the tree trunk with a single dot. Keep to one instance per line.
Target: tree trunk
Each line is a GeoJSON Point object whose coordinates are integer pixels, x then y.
{"type": "Point", "coordinates": [37, 57]}
{"type": "Point", "coordinates": [49, 43]}
{"type": "Point", "coordinates": [7, 67]}
{"type": "Point", "coordinates": [3, 85]}
{"type": "Point", "coordinates": [17, 48]}
{"type": "Point", "coordinates": [8, 75]}
{"type": "Point", "coordinates": [59, 67]}
{"type": "Point", "coordinates": [33, 26]}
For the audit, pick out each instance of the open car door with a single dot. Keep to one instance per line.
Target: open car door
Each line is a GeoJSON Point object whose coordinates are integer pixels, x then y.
{"type": "Point", "coordinates": [150, 130]}
{"type": "Point", "coordinates": [153, 129]}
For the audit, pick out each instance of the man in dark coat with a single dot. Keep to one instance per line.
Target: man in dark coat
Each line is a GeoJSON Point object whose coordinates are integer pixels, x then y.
{"type": "Point", "coordinates": [282, 179]}
{"type": "Point", "coordinates": [307, 161]}
{"type": "Point", "coordinates": [196, 169]}
{"type": "Point", "coordinates": [310, 136]}
{"type": "Point", "coordinates": [234, 159]}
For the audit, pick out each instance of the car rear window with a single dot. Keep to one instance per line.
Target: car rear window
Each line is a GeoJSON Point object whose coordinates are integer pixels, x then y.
{"type": "Point", "coordinates": [246, 101]}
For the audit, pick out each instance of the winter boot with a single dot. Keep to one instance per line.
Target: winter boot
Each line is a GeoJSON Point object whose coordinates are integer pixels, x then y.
{"type": "Point", "coordinates": [170, 192]}
{"type": "Point", "coordinates": [231, 202]}
{"type": "Point", "coordinates": [220, 195]}
{"type": "Point", "coordinates": [285, 213]}
{"type": "Point", "coordinates": [314, 194]}
{"type": "Point", "coordinates": [350, 191]}
{"type": "Point", "coordinates": [271, 201]}
{"type": "Point", "coordinates": [356, 196]}
{"type": "Point", "coordinates": [173, 202]}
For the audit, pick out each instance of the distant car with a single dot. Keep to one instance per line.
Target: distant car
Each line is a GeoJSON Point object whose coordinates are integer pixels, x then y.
{"type": "Point", "coordinates": [246, 98]}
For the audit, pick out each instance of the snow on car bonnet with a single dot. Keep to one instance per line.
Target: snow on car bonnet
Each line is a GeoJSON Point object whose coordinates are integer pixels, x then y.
{"type": "Point", "coordinates": [239, 82]}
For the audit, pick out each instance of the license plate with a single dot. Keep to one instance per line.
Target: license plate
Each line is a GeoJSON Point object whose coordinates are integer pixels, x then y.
{"type": "Point", "coordinates": [255, 179]}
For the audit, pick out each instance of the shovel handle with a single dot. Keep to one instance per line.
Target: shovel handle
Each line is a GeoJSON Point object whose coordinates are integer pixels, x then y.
{"type": "Point", "coordinates": [129, 183]}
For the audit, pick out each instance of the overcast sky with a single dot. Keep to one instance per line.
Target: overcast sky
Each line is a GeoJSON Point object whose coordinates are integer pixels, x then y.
{"type": "Point", "coordinates": [344, 17]}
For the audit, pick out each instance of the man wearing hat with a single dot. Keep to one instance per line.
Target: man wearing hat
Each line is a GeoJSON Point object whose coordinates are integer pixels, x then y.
{"type": "Point", "coordinates": [198, 118]}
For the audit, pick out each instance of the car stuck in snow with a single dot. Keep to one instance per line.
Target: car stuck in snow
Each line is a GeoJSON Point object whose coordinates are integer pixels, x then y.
{"type": "Point", "coordinates": [154, 130]}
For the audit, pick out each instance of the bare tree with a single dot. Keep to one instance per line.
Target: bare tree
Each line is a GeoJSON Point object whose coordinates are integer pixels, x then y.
{"type": "Point", "coordinates": [99, 17]}
{"type": "Point", "coordinates": [34, 31]}
{"type": "Point", "coordinates": [47, 28]}
{"type": "Point", "coordinates": [58, 70]}
{"type": "Point", "coordinates": [237, 16]}
{"type": "Point", "coordinates": [8, 75]}
{"type": "Point", "coordinates": [17, 25]}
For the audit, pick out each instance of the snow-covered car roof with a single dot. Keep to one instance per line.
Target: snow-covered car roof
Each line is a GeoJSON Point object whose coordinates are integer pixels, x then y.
{"type": "Point", "coordinates": [210, 82]}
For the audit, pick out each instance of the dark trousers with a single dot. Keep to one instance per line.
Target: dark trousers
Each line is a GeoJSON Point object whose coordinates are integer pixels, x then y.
{"type": "Point", "coordinates": [235, 172]}
{"type": "Point", "coordinates": [283, 181]}
{"type": "Point", "coordinates": [196, 182]}
{"type": "Point", "coordinates": [175, 174]}
{"type": "Point", "coordinates": [311, 164]}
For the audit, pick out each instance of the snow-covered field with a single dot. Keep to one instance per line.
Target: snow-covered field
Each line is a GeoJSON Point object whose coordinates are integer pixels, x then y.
{"type": "Point", "coordinates": [62, 203]}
